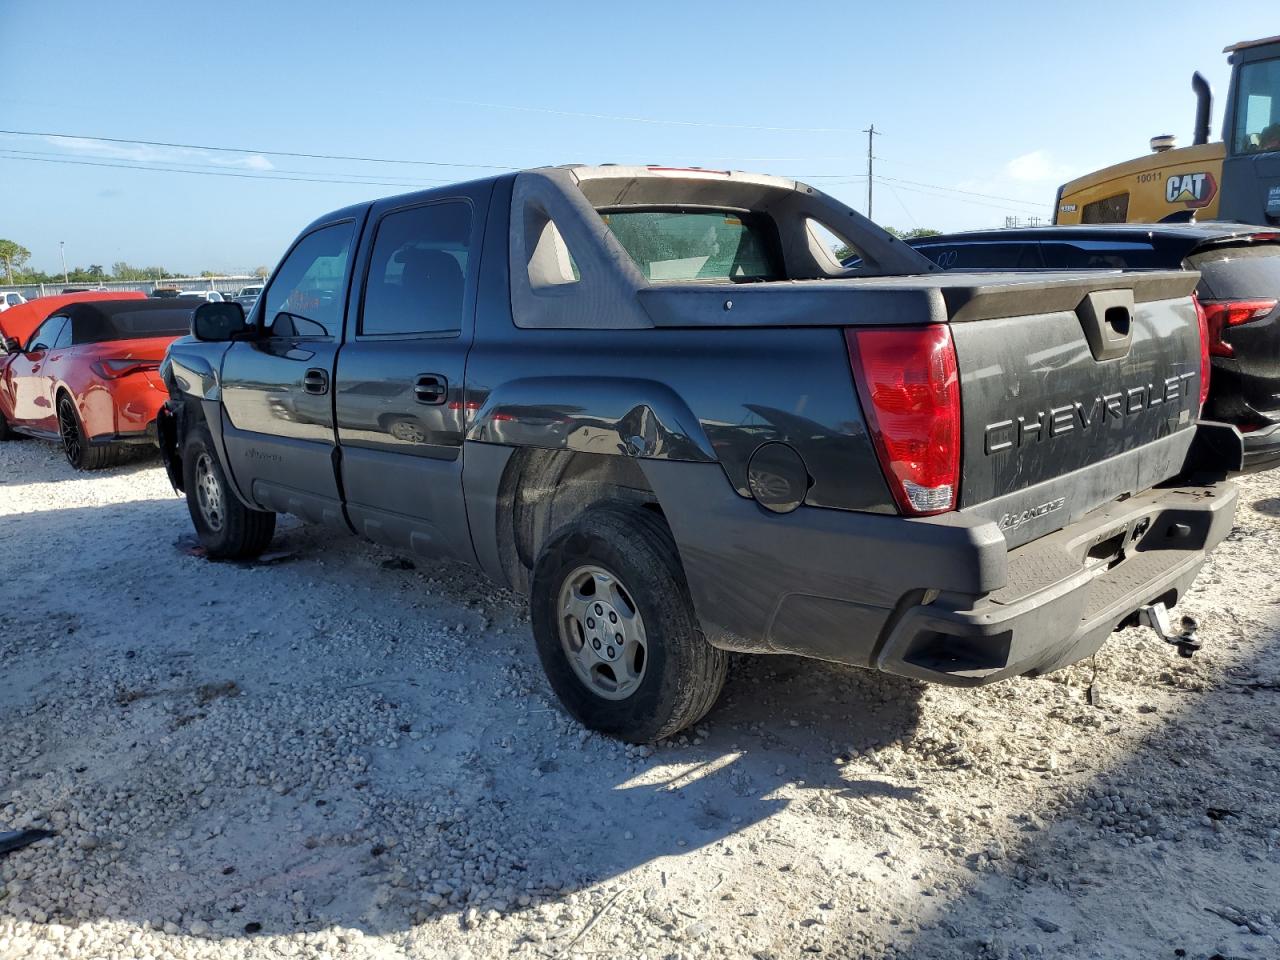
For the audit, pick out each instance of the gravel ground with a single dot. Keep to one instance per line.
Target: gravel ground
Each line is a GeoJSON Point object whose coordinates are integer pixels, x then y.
{"type": "Point", "coordinates": [341, 753]}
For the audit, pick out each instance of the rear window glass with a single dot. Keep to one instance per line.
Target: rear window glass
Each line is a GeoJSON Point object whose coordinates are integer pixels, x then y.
{"type": "Point", "coordinates": [1240, 272]}
{"type": "Point", "coordinates": [983, 255]}
{"type": "Point", "coordinates": [1104, 254]}
{"type": "Point", "coordinates": [697, 244]}
{"type": "Point", "coordinates": [136, 325]}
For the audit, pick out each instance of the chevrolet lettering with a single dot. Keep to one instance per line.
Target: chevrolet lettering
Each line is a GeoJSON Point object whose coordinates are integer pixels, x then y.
{"type": "Point", "coordinates": [1056, 421]}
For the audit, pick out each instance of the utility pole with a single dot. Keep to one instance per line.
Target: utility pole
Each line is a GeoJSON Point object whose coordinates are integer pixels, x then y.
{"type": "Point", "coordinates": [871, 133]}
{"type": "Point", "coordinates": [62, 249]}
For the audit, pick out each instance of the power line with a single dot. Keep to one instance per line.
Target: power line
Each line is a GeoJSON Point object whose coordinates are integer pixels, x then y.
{"type": "Point", "coordinates": [201, 167]}
{"type": "Point", "coordinates": [649, 120]}
{"type": "Point", "coordinates": [977, 203]}
{"type": "Point", "coordinates": [272, 153]}
{"type": "Point", "coordinates": [208, 173]}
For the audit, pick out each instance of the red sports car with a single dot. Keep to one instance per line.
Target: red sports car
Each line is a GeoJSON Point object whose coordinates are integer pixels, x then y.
{"type": "Point", "coordinates": [87, 376]}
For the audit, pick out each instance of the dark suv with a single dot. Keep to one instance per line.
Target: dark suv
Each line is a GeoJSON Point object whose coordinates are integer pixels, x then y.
{"type": "Point", "coordinates": [1239, 289]}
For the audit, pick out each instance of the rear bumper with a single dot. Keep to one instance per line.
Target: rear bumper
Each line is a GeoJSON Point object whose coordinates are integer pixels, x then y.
{"type": "Point", "coordinates": [1262, 449]}
{"type": "Point", "coordinates": [942, 598]}
{"type": "Point", "coordinates": [1066, 592]}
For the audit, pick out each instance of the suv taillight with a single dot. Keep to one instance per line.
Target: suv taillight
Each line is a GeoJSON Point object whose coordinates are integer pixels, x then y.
{"type": "Point", "coordinates": [1222, 314]}
{"type": "Point", "coordinates": [909, 384]}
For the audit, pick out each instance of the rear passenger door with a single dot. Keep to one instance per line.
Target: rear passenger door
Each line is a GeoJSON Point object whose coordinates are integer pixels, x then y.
{"type": "Point", "coordinates": [399, 396]}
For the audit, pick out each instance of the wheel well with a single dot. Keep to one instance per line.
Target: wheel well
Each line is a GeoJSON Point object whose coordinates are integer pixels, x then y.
{"type": "Point", "coordinates": [543, 490]}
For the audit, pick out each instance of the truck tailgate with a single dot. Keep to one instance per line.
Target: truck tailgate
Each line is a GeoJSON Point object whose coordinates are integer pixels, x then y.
{"type": "Point", "coordinates": [1068, 409]}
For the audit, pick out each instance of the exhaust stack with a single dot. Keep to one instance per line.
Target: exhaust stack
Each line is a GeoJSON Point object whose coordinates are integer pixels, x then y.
{"type": "Point", "coordinates": [1204, 103]}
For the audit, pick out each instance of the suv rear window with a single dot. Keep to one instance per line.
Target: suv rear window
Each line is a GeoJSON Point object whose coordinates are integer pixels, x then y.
{"type": "Point", "coordinates": [1239, 272]}
{"type": "Point", "coordinates": [690, 245]}
{"type": "Point", "coordinates": [983, 254]}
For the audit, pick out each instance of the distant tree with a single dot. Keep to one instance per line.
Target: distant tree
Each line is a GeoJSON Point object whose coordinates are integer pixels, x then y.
{"type": "Point", "coordinates": [261, 272]}
{"type": "Point", "coordinates": [913, 234]}
{"type": "Point", "coordinates": [14, 256]}
{"type": "Point", "coordinates": [95, 270]}
{"type": "Point", "coordinates": [208, 273]}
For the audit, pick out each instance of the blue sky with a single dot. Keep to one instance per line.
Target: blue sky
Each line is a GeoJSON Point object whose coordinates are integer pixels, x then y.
{"type": "Point", "coordinates": [1005, 100]}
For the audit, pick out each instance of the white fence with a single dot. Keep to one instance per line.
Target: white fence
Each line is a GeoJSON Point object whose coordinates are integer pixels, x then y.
{"type": "Point", "coordinates": [225, 285]}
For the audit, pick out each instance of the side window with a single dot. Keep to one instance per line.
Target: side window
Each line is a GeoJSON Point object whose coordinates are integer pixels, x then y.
{"type": "Point", "coordinates": [1258, 108]}
{"type": "Point", "coordinates": [306, 297]}
{"type": "Point", "coordinates": [46, 334]}
{"type": "Point", "coordinates": [417, 271]}
{"type": "Point", "coordinates": [63, 339]}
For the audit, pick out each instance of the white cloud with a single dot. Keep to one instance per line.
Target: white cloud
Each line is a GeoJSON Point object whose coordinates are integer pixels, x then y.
{"type": "Point", "coordinates": [142, 153]}
{"type": "Point", "coordinates": [1038, 166]}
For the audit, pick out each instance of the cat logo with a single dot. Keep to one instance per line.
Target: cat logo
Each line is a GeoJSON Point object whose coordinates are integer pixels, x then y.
{"type": "Point", "coordinates": [1193, 190]}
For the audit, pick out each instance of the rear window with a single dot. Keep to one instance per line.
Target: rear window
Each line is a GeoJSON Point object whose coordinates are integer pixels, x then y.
{"type": "Point", "coordinates": [687, 245]}
{"type": "Point", "coordinates": [1240, 272]}
{"type": "Point", "coordinates": [983, 255]}
{"type": "Point", "coordinates": [136, 325]}
{"type": "Point", "coordinates": [1104, 254]}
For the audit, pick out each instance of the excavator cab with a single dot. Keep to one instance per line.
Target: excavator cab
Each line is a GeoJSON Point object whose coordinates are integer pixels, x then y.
{"type": "Point", "coordinates": [1235, 178]}
{"type": "Point", "coordinates": [1251, 131]}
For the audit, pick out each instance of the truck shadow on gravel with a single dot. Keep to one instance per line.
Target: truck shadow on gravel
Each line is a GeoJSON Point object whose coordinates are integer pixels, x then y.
{"type": "Point", "coordinates": [1171, 852]}
{"type": "Point", "coordinates": [351, 742]}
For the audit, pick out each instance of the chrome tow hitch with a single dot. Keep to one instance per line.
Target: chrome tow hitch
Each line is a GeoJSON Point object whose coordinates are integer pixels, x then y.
{"type": "Point", "coordinates": [1156, 616]}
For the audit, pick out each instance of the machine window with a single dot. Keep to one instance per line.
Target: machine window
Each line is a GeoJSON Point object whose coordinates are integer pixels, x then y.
{"type": "Point", "coordinates": [418, 270]}
{"type": "Point", "coordinates": [1258, 108]}
{"type": "Point", "coordinates": [1110, 210]}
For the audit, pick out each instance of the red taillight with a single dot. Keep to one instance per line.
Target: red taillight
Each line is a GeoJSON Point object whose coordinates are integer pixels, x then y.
{"type": "Point", "coordinates": [115, 369]}
{"type": "Point", "coordinates": [1205, 365]}
{"type": "Point", "coordinates": [1222, 314]}
{"type": "Point", "coordinates": [909, 385]}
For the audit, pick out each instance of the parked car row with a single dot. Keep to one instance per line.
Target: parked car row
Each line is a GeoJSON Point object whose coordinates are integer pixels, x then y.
{"type": "Point", "coordinates": [82, 370]}
{"type": "Point", "coordinates": [653, 401]}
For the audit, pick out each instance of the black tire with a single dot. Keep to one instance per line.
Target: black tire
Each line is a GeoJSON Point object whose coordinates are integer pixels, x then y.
{"type": "Point", "coordinates": [227, 529]}
{"type": "Point", "coordinates": [80, 453]}
{"type": "Point", "coordinates": [683, 674]}
{"type": "Point", "coordinates": [7, 432]}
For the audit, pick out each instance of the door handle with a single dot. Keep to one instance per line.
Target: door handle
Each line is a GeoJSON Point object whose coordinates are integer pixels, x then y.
{"type": "Point", "coordinates": [430, 388]}
{"type": "Point", "coordinates": [315, 381]}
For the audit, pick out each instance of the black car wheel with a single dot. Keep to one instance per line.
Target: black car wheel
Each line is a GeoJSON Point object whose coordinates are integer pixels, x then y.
{"type": "Point", "coordinates": [80, 453]}
{"type": "Point", "coordinates": [616, 630]}
{"type": "Point", "coordinates": [228, 530]}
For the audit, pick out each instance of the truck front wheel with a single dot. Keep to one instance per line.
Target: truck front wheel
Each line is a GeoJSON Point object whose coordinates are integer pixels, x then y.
{"type": "Point", "coordinates": [228, 530]}
{"type": "Point", "coordinates": [616, 630]}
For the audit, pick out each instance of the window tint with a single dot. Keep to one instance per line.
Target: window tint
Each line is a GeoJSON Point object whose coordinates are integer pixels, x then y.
{"type": "Point", "coordinates": [417, 273]}
{"type": "Point", "coordinates": [697, 245]}
{"type": "Point", "coordinates": [1102, 254]}
{"type": "Point", "coordinates": [1239, 273]}
{"type": "Point", "coordinates": [1257, 121]}
{"type": "Point", "coordinates": [983, 255]}
{"type": "Point", "coordinates": [1111, 210]}
{"type": "Point", "coordinates": [45, 334]}
{"type": "Point", "coordinates": [305, 299]}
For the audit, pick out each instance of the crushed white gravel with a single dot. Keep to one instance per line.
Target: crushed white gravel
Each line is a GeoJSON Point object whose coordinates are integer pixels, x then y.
{"type": "Point", "coordinates": [344, 754]}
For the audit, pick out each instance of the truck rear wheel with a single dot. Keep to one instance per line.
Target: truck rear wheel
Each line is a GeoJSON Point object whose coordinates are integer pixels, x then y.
{"type": "Point", "coordinates": [227, 529]}
{"type": "Point", "coordinates": [615, 627]}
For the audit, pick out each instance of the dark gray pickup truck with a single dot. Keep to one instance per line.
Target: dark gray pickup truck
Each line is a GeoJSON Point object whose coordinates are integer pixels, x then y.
{"type": "Point", "coordinates": [654, 401]}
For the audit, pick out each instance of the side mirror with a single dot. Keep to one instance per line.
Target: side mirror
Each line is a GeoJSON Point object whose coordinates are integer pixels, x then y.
{"type": "Point", "coordinates": [218, 322]}
{"type": "Point", "coordinates": [12, 345]}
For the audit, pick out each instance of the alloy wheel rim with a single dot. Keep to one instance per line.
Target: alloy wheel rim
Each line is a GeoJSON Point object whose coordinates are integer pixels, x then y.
{"type": "Point", "coordinates": [602, 633]}
{"type": "Point", "coordinates": [209, 493]}
{"type": "Point", "coordinates": [70, 430]}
